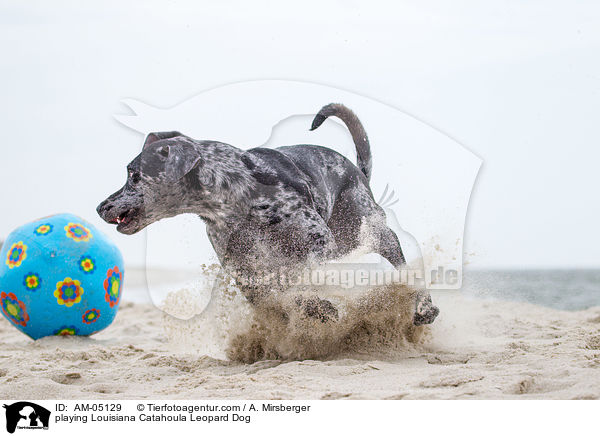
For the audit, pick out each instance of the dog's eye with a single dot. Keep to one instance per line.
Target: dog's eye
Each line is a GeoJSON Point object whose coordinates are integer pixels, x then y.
{"type": "Point", "coordinates": [135, 177]}
{"type": "Point", "coordinates": [164, 151]}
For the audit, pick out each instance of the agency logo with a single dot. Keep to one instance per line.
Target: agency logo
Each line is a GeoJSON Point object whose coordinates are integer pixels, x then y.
{"type": "Point", "coordinates": [422, 177]}
{"type": "Point", "coordinates": [26, 415]}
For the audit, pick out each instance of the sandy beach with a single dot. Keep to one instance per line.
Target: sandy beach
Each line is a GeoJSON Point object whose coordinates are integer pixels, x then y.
{"type": "Point", "coordinates": [476, 349]}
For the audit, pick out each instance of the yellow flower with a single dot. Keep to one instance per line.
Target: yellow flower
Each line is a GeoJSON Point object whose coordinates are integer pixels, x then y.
{"type": "Point", "coordinates": [16, 255]}
{"type": "Point", "coordinates": [77, 232]}
{"type": "Point", "coordinates": [68, 292]}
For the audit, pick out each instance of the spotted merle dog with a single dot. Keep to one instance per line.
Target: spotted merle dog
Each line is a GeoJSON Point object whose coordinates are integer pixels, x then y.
{"type": "Point", "coordinates": [263, 208]}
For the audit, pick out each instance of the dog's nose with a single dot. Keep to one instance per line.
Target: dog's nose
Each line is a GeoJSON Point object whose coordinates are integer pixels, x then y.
{"type": "Point", "coordinates": [103, 208]}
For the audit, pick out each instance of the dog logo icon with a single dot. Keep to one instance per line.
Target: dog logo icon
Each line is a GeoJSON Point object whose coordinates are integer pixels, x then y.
{"type": "Point", "coordinates": [26, 415]}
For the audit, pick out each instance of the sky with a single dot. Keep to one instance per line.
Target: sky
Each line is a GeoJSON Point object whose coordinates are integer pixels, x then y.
{"type": "Point", "coordinates": [517, 83]}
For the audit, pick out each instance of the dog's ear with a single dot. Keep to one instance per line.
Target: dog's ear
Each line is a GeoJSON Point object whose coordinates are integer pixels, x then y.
{"type": "Point", "coordinates": [181, 159]}
{"type": "Point", "coordinates": [157, 136]}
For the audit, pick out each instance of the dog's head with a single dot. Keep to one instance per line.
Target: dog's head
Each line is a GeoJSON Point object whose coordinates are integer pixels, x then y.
{"type": "Point", "coordinates": [157, 186]}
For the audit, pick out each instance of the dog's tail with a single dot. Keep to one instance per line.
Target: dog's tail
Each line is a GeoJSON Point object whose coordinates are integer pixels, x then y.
{"type": "Point", "coordinates": [363, 149]}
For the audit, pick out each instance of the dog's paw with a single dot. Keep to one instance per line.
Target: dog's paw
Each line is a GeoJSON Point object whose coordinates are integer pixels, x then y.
{"type": "Point", "coordinates": [317, 308]}
{"type": "Point", "coordinates": [425, 311]}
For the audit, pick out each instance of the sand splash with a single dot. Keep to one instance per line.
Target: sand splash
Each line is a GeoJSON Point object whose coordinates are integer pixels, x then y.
{"type": "Point", "coordinates": [378, 322]}
{"type": "Point", "coordinates": [375, 321]}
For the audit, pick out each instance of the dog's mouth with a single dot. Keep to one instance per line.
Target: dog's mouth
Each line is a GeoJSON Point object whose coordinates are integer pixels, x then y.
{"type": "Point", "coordinates": [126, 221]}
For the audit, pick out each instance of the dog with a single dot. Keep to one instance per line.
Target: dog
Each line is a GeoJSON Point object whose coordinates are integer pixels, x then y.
{"type": "Point", "coordinates": [264, 208]}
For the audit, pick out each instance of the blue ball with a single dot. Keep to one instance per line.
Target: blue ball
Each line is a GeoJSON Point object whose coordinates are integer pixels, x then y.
{"type": "Point", "coordinates": [60, 276]}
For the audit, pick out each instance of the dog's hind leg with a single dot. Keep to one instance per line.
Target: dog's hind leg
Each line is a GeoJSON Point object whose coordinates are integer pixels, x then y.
{"type": "Point", "coordinates": [357, 212]}
{"type": "Point", "coordinates": [387, 245]}
{"type": "Point", "coordinates": [425, 311]}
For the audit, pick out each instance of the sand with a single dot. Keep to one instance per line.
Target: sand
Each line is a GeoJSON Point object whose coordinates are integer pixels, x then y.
{"type": "Point", "coordinates": [476, 349]}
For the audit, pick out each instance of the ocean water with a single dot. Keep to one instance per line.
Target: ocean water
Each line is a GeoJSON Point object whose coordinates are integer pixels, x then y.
{"type": "Point", "coordinates": [575, 289]}
{"type": "Point", "coordinates": [568, 289]}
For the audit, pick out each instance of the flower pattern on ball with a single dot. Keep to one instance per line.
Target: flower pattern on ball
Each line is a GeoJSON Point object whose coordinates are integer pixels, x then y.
{"type": "Point", "coordinates": [112, 286]}
{"type": "Point", "coordinates": [91, 316]}
{"type": "Point", "coordinates": [77, 232]}
{"type": "Point", "coordinates": [67, 331]}
{"type": "Point", "coordinates": [16, 255]}
{"type": "Point", "coordinates": [14, 309]}
{"type": "Point", "coordinates": [87, 264]}
{"type": "Point", "coordinates": [68, 292]}
{"type": "Point", "coordinates": [32, 281]}
{"type": "Point", "coordinates": [43, 230]}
